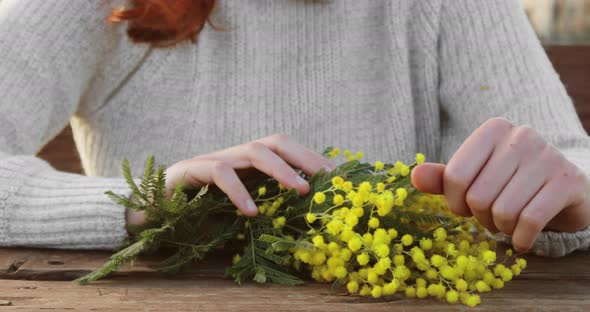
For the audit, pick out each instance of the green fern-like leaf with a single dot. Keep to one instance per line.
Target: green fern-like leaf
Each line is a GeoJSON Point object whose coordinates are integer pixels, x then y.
{"type": "Point", "coordinates": [148, 241]}
{"type": "Point", "coordinates": [126, 169]}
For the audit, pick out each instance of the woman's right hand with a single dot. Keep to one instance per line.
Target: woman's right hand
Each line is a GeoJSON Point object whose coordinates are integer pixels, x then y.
{"type": "Point", "coordinates": [275, 155]}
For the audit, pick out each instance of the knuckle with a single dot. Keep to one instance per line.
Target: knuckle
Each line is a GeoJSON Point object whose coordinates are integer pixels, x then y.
{"type": "Point", "coordinates": [552, 158]}
{"type": "Point", "coordinates": [182, 164]}
{"type": "Point", "coordinates": [219, 167]}
{"type": "Point", "coordinates": [570, 169]}
{"type": "Point", "coordinates": [256, 148]}
{"type": "Point", "coordinates": [579, 177]}
{"type": "Point", "coordinates": [201, 158]}
{"type": "Point", "coordinates": [525, 133]}
{"type": "Point", "coordinates": [571, 173]}
{"type": "Point", "coordinates": [576, 181]}
{"type": "Point", "coordinates": [280, 138]}
{"type": "Point", "coordinates": [499, 123]}
{"type": "Point", "coordinates": [538, 146]}
{"type": "Point", "coordinates": [549, 154]}
{"type": "Point", "coordinates": [527, 139]}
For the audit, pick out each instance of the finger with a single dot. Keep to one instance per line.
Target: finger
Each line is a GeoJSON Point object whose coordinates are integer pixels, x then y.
{"type": "Point", "coordinates": [224, 176]}
{"type": "Point", "coordinates": [467, 162]}
{"type": "Point", "coordinates": [263, 159]}
{"type": "Point", "coordinates": [489, 183]}
{"type": "Point", "coordinates": [543, 207]}
{"type": "Point", "coordinates": [177, 173]}
{"type": "Point", "coordinates": [201, 172]}
{"type": "Point", "coordinates": [526, 182]}
{"type": "Point", "coordinates": [428, 178]}
{"type": "Point", "coordinates": [296, 154]}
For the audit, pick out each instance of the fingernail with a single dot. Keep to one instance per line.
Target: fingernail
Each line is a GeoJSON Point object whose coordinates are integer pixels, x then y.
{"type": "Point", "coordinates": [301, 181]}
{"type": "Point", "coordinates": [250, 206]}
{"type": "Point", "coordinates": [329, 167]}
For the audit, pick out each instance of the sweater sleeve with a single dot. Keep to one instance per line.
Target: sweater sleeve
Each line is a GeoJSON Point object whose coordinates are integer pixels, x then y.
{"type": "Point", "coordinates": [49, 52]}
{"type": "Point", "coordinates": [492, 64]}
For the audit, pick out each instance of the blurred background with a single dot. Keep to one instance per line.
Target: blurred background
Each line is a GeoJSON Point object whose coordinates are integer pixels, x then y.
{"type": "Point", "coordinates": [560, 21]}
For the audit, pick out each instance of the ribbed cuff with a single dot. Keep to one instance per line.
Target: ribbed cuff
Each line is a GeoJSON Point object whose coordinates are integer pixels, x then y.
{"type": "Point", "coordinates": [7, 187]}
{"type": "Point", "coordinates": [554, 244]}
{"type": "Point", "coordinates": [42, 207]}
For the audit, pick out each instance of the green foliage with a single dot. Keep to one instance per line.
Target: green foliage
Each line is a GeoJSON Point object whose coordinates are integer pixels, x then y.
{"type": "Point", "coordinates": [147, 242]}
{"type": "Point", "coordinates": [193, 223]}
{"type": "Point", "coordinates": [262, 265]}
{"type": "Point", "coordinates": [176, 222]}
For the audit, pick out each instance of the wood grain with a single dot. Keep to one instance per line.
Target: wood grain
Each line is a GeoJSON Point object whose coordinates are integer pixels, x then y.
{"type": "Point", "coordinates": [546, 285]}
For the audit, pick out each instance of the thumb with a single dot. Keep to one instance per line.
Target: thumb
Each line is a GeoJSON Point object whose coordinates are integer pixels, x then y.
{"type": "Point", "coordinates": [428, 178]}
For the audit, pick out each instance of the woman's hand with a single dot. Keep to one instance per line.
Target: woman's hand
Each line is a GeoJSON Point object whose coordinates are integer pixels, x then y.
{"type": "Point", "coordinates": [275, 155]}
{"type": "Point", "coordinates": [512, 181]}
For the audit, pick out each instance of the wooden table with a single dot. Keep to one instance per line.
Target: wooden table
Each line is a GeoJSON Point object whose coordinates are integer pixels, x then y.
{"type": "Point", "coordinates": [41, 280]}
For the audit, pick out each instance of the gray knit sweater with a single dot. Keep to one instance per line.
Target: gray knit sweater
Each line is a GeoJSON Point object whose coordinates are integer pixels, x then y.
{"type": "Point", "coordinates": [390, 78]}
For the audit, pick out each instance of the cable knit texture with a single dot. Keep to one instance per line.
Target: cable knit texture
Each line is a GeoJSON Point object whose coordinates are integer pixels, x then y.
{"type": "Point", "coordinates": [390, 78]}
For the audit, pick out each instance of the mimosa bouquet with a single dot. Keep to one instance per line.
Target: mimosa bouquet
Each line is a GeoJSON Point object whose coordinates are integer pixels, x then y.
{"type": "Point", "coordinates": [362, 226]}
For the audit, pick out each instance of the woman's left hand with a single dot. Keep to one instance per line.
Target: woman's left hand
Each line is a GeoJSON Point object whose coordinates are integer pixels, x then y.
{"type": "Point", "coordinates": [512, 181]}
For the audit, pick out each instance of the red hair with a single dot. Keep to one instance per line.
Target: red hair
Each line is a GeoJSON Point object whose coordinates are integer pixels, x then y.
{"type": "Point", "coordinates": [164, 22]}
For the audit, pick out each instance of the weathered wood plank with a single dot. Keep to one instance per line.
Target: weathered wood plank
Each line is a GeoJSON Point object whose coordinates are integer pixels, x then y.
{"type": "Point", "coordinates": [35, 263]}
{"type": "Point", "coordinates": [547, 285]}
{"type": "Point", "coordinates": [131, 293]}
{"type": "Point", "coordinates": [60, 265]}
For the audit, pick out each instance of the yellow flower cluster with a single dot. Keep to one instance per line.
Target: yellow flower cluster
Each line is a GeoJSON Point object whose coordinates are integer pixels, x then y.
{"type": "Point", "coordinates": [347, 154]}
{"type": "Point", "coordinates": [270, 207]}
{"type": "Point", "coordinates": [366, 235]}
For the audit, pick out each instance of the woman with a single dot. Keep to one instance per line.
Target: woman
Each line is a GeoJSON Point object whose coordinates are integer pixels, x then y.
{"type": "Point", "coordinates": [390, 78]}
